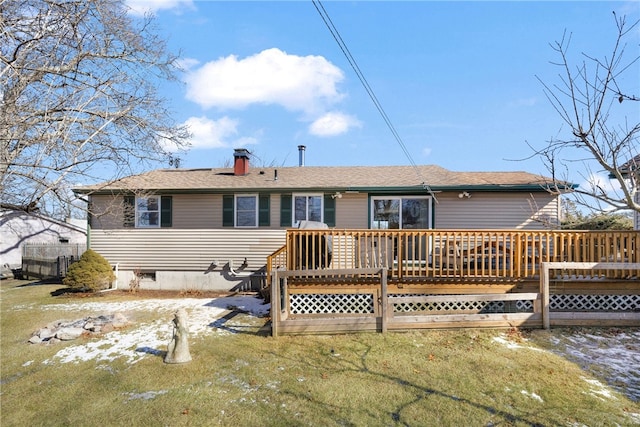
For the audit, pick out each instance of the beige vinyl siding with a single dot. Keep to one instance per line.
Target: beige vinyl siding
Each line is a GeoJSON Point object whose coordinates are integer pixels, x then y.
{"type": "Point", "coordinates": [171, 249]}
{"type": "Point", "coordinates": [352, 211]}
{"type": "Point", "coordinates": [275, 211]}
{"type": "Point", "coordinates": [196, 211]}
{"type": "Point", "coordinates": [189, 211]}
{"type": "Point", "coordinates": [480, 211]}
{"type": "Point", "coordinates": [496, 210]}
{"type": "Point", "coordinates": [107, 212]}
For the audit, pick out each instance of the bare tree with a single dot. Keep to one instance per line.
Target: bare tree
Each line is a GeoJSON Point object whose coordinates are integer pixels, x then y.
{"type": "Point", "coordinates": [602, 141]}
{"type": "Point", "coordinates": [78, 98]}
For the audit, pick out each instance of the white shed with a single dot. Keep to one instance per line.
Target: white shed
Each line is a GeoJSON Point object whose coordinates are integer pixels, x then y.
{"type": "Point", "coordinates": [19, 227]}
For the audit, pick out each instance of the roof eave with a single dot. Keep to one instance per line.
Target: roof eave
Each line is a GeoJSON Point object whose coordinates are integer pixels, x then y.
{"type": "Point", "coordinates": [353, 189]}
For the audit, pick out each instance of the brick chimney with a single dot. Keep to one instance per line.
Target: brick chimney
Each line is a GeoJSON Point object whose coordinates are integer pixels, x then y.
{"type": "Point", "coordinates": [241, 161]}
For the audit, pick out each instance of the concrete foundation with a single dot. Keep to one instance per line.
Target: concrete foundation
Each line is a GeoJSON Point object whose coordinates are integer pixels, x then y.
{"type": "Point", "coordinates": [193, 281]}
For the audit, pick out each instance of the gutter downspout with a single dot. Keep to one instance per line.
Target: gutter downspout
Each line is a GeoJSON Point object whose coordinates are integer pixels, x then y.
{"type": "Point", "coordinates": [115, 285]}
{"type": "Point", "coordinates": [236, 274]}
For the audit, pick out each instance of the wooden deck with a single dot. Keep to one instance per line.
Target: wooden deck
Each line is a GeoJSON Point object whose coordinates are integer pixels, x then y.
{"type": "Point", "coordinates": [379, 280]}
{"type": "Point", "coordinates": [442, 254]}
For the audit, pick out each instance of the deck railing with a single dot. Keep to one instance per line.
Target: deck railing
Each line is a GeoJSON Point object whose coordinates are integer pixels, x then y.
{"type": "Point", "coordinates": [469, 254]}
{"type": "Point", "coordinates": [276, 261]}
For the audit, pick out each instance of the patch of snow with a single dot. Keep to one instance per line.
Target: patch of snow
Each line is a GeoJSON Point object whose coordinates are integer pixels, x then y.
{"type": "Point", "coordinates": [532, 396]}
{"type": "Point", "coordinates": [598, 389]}
{"type": "Point", "coordinates": [613, 353]}
{"type": "Point", "coordinates": [609, 353]}
{"type": "Point", "coordinates": [513, 345]}
{"type": "Point", "coordinates": [237, 382]}
{"type": "Point", "coordinates": [505, 342]}
{"type": "Point", "coordinates": [140, 340]}
{"type": "Point", "coordinates": [22, 307]}
{"type": "Point", "coordinates": [247, 303]}
{"type": "Point", "coordinates": [147, 395]}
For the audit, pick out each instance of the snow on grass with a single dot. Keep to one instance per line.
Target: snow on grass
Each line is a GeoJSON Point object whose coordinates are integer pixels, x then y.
{"type": "Point", "coordinates": [147, 395]}
{"type": "Point", "coordinates": [610, 353]}
{"type": "Point", "coordinates": [533, 396]}
{"type": "Point", "coordinates": [598, 389]}
{"type": "Point", "coordinates": [140, 340]}
{"type": "Point", "coordinates": [613, 353]}
{"type": "Point", "coordinates": [514, 345]}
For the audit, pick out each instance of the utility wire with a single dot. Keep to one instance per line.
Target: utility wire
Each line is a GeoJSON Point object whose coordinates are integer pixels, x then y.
{"type": "Point", "coordinates": [345, 50]}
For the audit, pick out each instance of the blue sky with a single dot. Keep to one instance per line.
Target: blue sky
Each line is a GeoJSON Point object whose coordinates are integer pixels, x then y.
{"type": "Point", "coordinates": [456, 79]}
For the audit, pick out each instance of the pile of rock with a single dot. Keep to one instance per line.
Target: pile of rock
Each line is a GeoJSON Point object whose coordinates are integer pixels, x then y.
{"type": "Point", "coordinates": [66, 330]}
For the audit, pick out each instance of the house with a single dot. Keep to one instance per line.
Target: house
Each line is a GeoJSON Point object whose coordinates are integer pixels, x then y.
{"type": "Point", "coordinates": [212, 229]}
{"type": "Point", "coordinates": [19, 227]}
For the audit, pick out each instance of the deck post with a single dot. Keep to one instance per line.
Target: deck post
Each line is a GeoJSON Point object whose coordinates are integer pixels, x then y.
{"type": "Point", "coordinates": [384, 299]}
{"type": "Point", "coordinates": [275, 303]}
{"type": "Point", "coordinates": [544, 291]}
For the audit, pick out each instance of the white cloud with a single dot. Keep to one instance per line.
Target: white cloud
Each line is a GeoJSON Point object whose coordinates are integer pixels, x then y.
{"type": "Point", "coordinates": [426, 151]}
{"type": "Point", "coordinates": [244, 141]}
{"type": "Point", "coordinates": [140, 7]}
{"type": "Point", "coordinates": [297, 83]}
{"type": "Point", "coordinates": [186, 64]}
{"type": "Point", "coordinates": [333, 123]}
{"type": "Point", "coordinates": [597, 182]}
{"type": "Point", "coordinates": [207, 133]}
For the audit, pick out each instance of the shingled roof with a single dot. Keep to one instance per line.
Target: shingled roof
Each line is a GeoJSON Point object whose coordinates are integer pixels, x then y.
{"type": "Point", "coordinates": [328, 178]}
{"type": "Point", "coordinates": [631, 165]}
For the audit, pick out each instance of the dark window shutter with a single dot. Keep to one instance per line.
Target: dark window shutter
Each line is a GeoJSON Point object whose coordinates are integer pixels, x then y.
{"type": "Point", "coordinates": [264, 214]}
{"type": "Point", "coordinates": [329, 210]}
{"type": "Point", "coordinates": [166, 205]}
{"type": "Point", "coordinates": [285, 210]}
{"type": "Point", "coordinates": [227, 210]}
{"type": "Point", "coordinates": [129, 213]}
{"type": "Point", "coordinates": [90, 213]}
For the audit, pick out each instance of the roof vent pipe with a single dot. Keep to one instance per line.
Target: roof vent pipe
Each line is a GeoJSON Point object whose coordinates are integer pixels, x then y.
{"type": "Point", "coordinates": [301, 149]}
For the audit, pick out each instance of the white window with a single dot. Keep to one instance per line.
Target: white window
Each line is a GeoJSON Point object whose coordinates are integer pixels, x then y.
{"type": "Point", "coordinates": [148, 212]}
{"type": "Point", "coordinates": [391, 213]}
{"type": "Point", "coordinates": [307, 207]}
{"type": "Point", "coordinates": [246, 210]}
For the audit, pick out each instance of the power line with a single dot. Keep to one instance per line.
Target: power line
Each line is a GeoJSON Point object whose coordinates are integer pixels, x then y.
{"type": "Point", "coordinates": [345, 50]}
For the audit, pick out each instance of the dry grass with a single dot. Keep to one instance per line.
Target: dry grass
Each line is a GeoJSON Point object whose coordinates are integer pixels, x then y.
{"type": "Point", "coordinates": [430, 378]}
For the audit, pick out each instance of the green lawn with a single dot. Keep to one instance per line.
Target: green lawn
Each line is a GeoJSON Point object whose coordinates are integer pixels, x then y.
{"type": "Point", "coordinates": [430, 378]}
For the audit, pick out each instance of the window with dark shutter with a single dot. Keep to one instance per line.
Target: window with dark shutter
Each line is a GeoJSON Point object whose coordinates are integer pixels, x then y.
{"type": "Point", "coordinates": [166, 205]}
{"type": "Point", "coordinates": [227, 210]}
{"type": "Point", "coordinates": [329, 210]}
{"type": "Point", "coordinates": [285, 210]}
{"type": "Point", "coordinates": [129, 212]}
{"type": "Point", "coordinates": [90, 214]}
{"type": "Point", "coordinates": [264, 210]}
